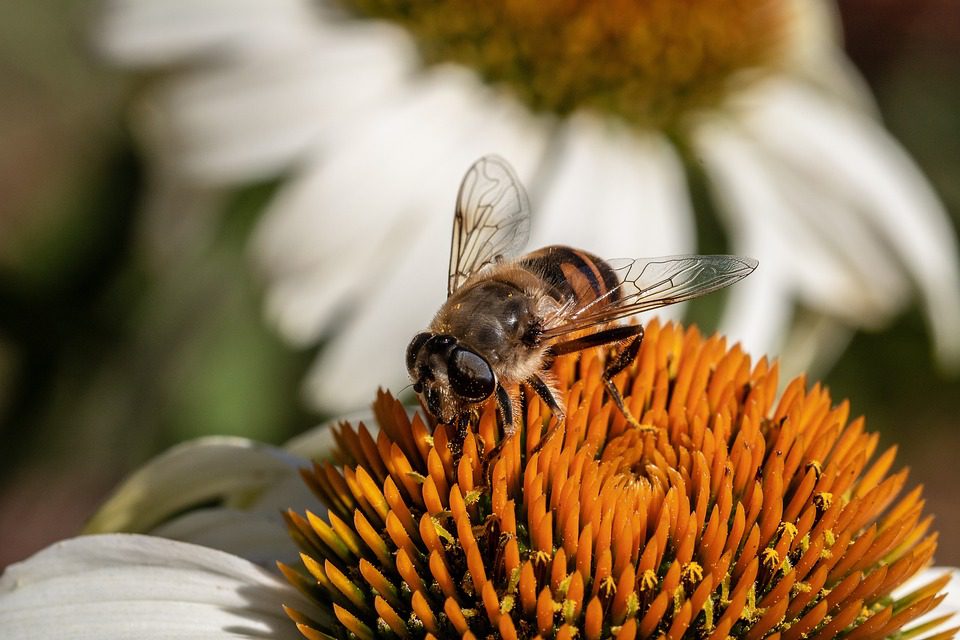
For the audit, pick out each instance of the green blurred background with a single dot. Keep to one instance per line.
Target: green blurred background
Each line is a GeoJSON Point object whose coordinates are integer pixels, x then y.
{"type": "Point", "coordinates": [111, 350]}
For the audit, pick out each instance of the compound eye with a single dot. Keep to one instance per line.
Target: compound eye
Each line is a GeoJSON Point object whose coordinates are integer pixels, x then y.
{"type": "Point", "coordinates": [470, 376]}
{"type": "Point", "coordinates": [414, 348]}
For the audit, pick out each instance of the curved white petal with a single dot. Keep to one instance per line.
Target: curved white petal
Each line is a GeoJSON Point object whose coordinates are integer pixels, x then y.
{"type": "Point", "coordinates": [826, 271]}
{"type": "Point", "coordinates": [815, 53]}
{"type": "Point", "coordinates": [330, 234]}
{"type": "Point", "coordinates": [254, 530]}
{"type": "Point", "coordinates": [814, 344]}
{"type": "Point", "coordinates": [249, 118]}
{"type": "Point", "coordinates": [852, 157]}
{"type": "Point", "coordinates": [234, 471]}
{"type": "Point", "coordinates": [124, 585]}
{"type": "Point", "coordinates": [615, 192]}
{"type": "Point", "coordinates": [164, 32]}
{"type": "Point", "coordinates": [410, 169]}
{"type": "Point", "coordinates": [759, 309]}
{"type": "Point", "coordinates": [257, 536]}
{"type": "Point", "coordinates": [316, 443]}
{"type": "Point", "coordinates": [949, 606]}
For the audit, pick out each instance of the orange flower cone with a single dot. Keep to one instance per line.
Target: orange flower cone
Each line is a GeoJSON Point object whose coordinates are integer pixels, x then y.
{"type": "Point", "coordinates": [739, 515]}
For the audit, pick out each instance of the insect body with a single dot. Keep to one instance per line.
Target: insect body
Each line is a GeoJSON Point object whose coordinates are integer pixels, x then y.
{"type": "Point", "coordinates": [507, 317]}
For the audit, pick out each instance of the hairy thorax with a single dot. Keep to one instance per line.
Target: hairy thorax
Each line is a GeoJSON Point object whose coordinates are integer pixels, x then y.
{"type": "Point", "coordinates": [500, 316]}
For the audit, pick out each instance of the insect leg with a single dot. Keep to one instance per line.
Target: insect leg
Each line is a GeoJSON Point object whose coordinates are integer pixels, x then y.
{"type": "Point", "coordinates": [504, 411]}
{"type": "Point", "coordinates": [607, 336]}
{"type": "Point", "coordinates": [505, 424]}
{"type": "Point", "coordinates": [623, 359]}
{"type": "Point", "coordinates": [619, 362]}
{"type": "Point", "coordinates": [538, 385]}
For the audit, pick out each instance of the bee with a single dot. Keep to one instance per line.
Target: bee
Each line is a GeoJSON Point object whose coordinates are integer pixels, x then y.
{"type": "Point", "coordinates": [507, 316]}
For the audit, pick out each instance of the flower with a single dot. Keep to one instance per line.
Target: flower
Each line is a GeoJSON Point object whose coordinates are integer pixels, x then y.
{"type": "Point", "coordinates": [609, 111]}
{"type": "Point", "coordinates": [737, 516]}
{"type": "Point", "coordinates": [733, 516]}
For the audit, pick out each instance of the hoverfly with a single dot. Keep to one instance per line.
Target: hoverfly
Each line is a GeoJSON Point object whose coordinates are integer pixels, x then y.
{"type": "Point", "coordinates": [507, 317]}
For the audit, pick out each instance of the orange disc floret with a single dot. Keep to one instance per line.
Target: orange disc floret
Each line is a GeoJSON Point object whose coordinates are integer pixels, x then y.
{"type": "Point", "coordinates": [731, 514]}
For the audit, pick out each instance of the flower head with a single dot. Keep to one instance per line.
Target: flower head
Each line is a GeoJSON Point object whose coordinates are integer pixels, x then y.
{"type": "Point", "coordinates": [607, 109]}
{"type": "Point", "coordinates": [648, 63]}
{"type": "Point", "coordinates": [735, 515]}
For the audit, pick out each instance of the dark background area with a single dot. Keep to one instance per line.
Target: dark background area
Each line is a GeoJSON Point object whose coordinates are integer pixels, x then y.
{"type": "Point", "coordinates": [111, 351]}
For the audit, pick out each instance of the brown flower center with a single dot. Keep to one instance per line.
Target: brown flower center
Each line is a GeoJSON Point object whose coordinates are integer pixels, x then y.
{"type": "Point", "coordinates": [647, 61]}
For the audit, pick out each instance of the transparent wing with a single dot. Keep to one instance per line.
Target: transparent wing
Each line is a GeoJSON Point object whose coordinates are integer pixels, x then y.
{"type": "Point", "coordinates": [492, 219]}
{"type": "Point", "coordinates": [651, 283]}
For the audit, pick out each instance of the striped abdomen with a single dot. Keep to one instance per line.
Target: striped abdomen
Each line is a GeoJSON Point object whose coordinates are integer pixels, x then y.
{"type": "Point", "coordinates": [572, 275]}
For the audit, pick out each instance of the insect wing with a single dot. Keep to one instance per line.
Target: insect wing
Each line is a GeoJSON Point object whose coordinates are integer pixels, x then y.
{"type": "Point", "coordinates": [492, 219]}
{"type": "Point", "coordinates": [651, 283]}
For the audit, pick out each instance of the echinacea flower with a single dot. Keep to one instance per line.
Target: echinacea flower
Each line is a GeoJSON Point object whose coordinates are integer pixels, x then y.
{"type": "Point", "coordinates": [736, 515]}
{"type": "Point", "coordinates": [733, 515]}
{"type": "Point", "coordinates": [377, 108]}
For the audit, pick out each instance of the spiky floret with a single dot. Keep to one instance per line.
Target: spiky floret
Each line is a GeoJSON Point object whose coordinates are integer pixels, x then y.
{"type": "Point", "coordinates": [740, 516]}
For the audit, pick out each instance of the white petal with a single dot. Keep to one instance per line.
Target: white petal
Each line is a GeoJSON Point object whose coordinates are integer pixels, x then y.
{"type": "Point", "coordinates": [316, 443]}
{"type": "Point", "coordinates": [794, 262]}
{"type": "Point", "coordinates": [784, 232]}
{"type": "Point", "coordinates": [814, 344]}
{"type": "Point", "coordinates": [413, 168]}
{"type": "Point", "coordinates": [163, 32]}
{"type": "Point", "coordinates": [368, 352]}
{"type": "Point", "coordinates": [815, 52]}
{"type": "Point", "coordinates": [950, 604]}
{"type": "Point", "coordinates": [122, 586]}
{"type": "Point", "coordinates": [842, 151]}
{"type": "Point", "coordinates": [233, 470]}
{"type": "Point", "coordinates": [333, 233]}
{"type": "Point", "coordinates": [256, 536]}
{"type": "Point", "coordinates": [615, 193]}
{"type": "Point", "coordinates": [255, 530]}
{"type": "Point", "coordinates": [758, 310]}
{"type": "Point", "coordinates": [249, 118]}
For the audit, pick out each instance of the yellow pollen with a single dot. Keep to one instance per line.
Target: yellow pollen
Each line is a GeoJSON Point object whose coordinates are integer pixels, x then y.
{"type": "Point", "coordinates": [691, 573]}
{"type": "Point", "coordinates": [442, 532]}
{"type": "Point", "coordinates": [646, 61]}
{"type": "Point", "coordinates": [823, 500]}
{"type": "Point", "coordinates": [788, 529]}
{"type": "Point", "coordinates": [750, 610]}
{"type": "Point", "coordinates": [648, 581]}
{"type": "Point", "coordinates": [771, 559]}
{"type": "Point", "coordinates": [708, 615]}
{"type": "Point", "coordinates": [677, 599]}
{"type": "Point", "coordinates": [608, 588]}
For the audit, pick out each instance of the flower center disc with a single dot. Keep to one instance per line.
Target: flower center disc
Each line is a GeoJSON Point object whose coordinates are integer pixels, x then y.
{"type": "Point", "coordinates": [647, 61]}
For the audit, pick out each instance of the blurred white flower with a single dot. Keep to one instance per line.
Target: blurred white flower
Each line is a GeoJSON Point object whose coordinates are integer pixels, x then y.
{"type": "Point", "coordinates": [375, 112]}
